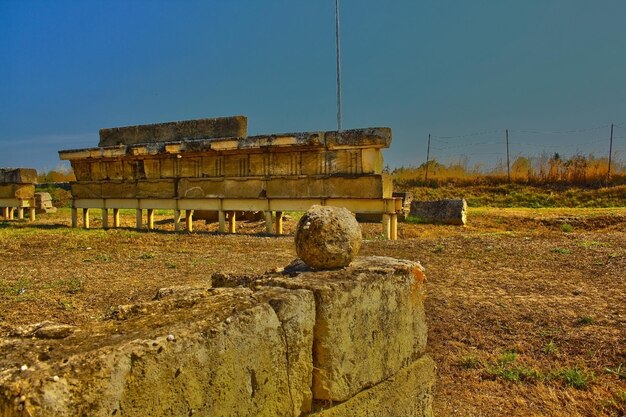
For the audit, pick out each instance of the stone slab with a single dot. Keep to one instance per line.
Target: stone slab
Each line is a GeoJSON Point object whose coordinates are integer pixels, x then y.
{"type": "Point", "coordinates": [18, 176]}
{"type": "Point", "coordinates": [409, 393]}
{"type": "Point", "coordinates": [220, 127]}
{"type": "Point", "coordinates": [20, 191]}
{"type": "Point", "coordinates": [220, 352]}
{"type": "Point", "coordinates": [440, 211]}
{"type": "Point", "coordinates": [370, 322]}
{"type": "Point", "coordinates": [156, 188]}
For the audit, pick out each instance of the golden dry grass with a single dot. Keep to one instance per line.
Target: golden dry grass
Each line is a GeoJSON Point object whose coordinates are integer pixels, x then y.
{"type": "Point", "coordinates": [526, 307]}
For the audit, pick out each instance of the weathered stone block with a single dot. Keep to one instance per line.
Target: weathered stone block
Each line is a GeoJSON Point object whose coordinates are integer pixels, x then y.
{"type": "Point", "coordinates": [312, 163]}
{"type": "Point", "coordinates": [223, 353]}
{"type": "Point", "coordinates": [82, 170]}
{"type": "Point", "coordinates": [200, 188]}
{"type": "Point", "coordinates": [372, 161]}
{"type": "Point", "coordinates": [221, 127]}
{"type": "Point", "coordinates": [370, 322]}
{"type": "Point", "coordinates": [18, 176]}
{"type": "Point", "coordinates": [368, 186]}
{"type": "Point", "coordinates": [86, 189]}
{"type": "Point", "coordinates": [118, 189]}
{"type": "Point", "coordinates": [285, 163]}
{"type": "Point", "coordinates": [440, 211]}
{"type": "Point", "coordinates": [156, 189]}
{"type": "Point", "coordinates": [244, 188]}
{"type": "Point", "coordinates": [373, 137]}
{"type": "Point", "coordinates": [114, 170]}
{"type": "Point", "coordinates": [409, 393]}
{"type": "Point", "coordinates": [21, 191]}
{"type": "Point", "coordinates": [302, 187]}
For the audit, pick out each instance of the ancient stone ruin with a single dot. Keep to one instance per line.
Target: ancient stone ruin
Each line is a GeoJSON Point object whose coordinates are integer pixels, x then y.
{"type": "Point", "coordinates": [440, 211]}
{"type": "Point", "coordinates": [212, 165]}
{"type": "Point", "coordinates": [340, 343]}
{"type": "Point", "coordinates": [297, 342]}
{"type": "Point", "coordinates": [17, 192]}
{"type": "Point", "coordinates": [43, 203]}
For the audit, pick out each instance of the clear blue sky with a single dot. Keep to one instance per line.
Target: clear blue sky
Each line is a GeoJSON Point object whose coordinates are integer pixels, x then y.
{"type": "Point", "coordinates": [443, 67]}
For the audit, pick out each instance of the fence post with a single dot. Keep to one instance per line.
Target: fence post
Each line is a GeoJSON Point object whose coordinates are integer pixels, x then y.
{"type": "Point", "coordinates": [508, 163]}
{"type": "Point", "coordinates": [427, 159]}
{"type": "Point", "coordinates": [608, 174]}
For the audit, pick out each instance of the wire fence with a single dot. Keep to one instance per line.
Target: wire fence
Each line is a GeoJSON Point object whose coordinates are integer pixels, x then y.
{"type": "Point", "coordinates": [575, 155]}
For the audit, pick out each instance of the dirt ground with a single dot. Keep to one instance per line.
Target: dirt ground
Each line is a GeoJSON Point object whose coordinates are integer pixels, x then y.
{"type": "Point", "coordinates": [526, 307]}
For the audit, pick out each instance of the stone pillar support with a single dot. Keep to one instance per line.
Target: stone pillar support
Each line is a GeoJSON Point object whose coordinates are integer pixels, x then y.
{"type": "Point", "coordinates": [74, 217]}
{"type": "Point", "coordinates": [20, 213]}
{"type": "Point", "coordinates": [116, 217]}
{"type": "Point", "coordinates": [189, 220]}
{"type": "Point", "coordinates": [279, 222]}
{"type": "Point", "coordinates": [105, 218]}
{"type": "Point", "coordinates": [31, 214]}
{"type": "Point", "coordinates": [393, 233]}
{"type": "Point", "coordinates": [232, 222]}
{"type": "Point", "coordinates": [5, 213]}
{"type": "Point", "coordinates": [150, 219]}
{"type": "Point", "coordinates": [86, 218]}
{"type": "Point", "coordinates": [177, 217]}
{"type": "Point", "coordinates": [387, 226]}
{"type": "Point", "coordinates": [139, 219]}
{"type": "Point", "coordinates": [221, 215]}
{"type": "Point", "coordinates": [268, 222]}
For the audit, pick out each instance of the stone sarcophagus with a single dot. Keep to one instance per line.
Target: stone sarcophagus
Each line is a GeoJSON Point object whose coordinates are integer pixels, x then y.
{"type": "Point", "coordinates": [17, 191]}
{"type": "Point", "coordinates": [212, 165]}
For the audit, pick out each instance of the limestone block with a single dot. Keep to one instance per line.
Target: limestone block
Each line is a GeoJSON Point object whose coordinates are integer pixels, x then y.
{"type": "Point", "coordinates": [118, 189]}
{"type": "Point", "coordinates": [440, 211]}
{"type": "Point", "coordinates": [114, 170]}
{"type": "Point", "coordinates": [168, 167]}
{"type": "Point", "coordinates": [344, 161]}
{"type": "Point", "coordinates": [156, 188]}
{"type": "Point", "coordinates": [373, 137]}
{"type": "Point", "coordinates": [21, 191]}
{"type": "Point", "coordinates": [372, 161]}
{"type": "Point", "coordinates": [367, 186]}
{"type": "Point", "coordinates": [212, 166]}
{"type": "Point", "coordinates": [236, 165]}
{"type": "Point", "coordinates": [98, 171]}
{"type": "Point", "coordinates": [82, 170]}
{"type": "Point", "coordinates": [244, 188]}
{"type": "Point", "coordinates": [259, 164]}
{"type": "Point", "coordinates": [312, 163]}
{"type": "Point", "coordinates": [86, 189]}
{"type": "Point", "coordinates": [370, 322]}
{"type": "Point", "coordinates": [285, 163]}
{"type": "Point", "coordinates": [200, 188]}
{"type": "Point", "coordinates": [228, 352]}
{"type": "Point", "coordinates": [189, 167]}
{"type": "Point", "coordinates": [18, 176]}
{"type": "Point", "coordinates": [409, 393]}
{"type": "Point", "coordinates": [301, 187]}
{"type": "Point", "coordinates": [221, 127]}
{"type": "Point", "coordinates": [152, 168]}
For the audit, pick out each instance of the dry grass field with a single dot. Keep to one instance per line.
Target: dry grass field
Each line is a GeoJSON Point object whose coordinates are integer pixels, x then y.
{"type": "Point", "coordinates": [526, 307]}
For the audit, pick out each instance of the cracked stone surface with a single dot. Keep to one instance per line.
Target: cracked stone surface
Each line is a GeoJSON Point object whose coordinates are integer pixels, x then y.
{"type": "Point", "coordinates": [222, 353]}
{"type": "Point", "coordinates": [370, 322]}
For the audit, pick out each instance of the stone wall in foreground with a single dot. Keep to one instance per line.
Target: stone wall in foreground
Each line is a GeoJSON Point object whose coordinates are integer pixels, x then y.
{"type": "Point", "coordinates": [348, 342]}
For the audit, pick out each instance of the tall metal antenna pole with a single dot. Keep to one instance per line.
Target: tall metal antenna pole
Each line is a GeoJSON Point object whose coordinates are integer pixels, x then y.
{"type": "Point", "coordinates": [608, 174]}
{"type": "Point", "coordinates": [337, 43]}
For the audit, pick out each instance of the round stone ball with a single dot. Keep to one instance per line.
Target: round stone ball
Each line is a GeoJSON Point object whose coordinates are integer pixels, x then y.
{"type": "Point", "coordinates": [328, 237]}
